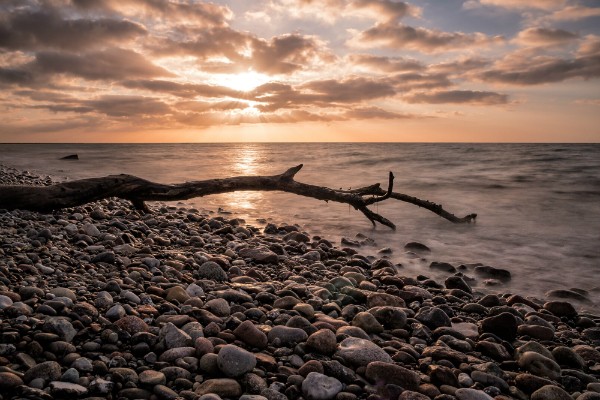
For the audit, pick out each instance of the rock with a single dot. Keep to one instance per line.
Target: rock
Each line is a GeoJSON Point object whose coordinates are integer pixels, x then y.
{"type": "Point", "coordinates": [116, 312]}
{"type": "Point", "coordinates": [539, 365]}
{"type": "Point", "coordinates": [384, 299]}
{"type": "Point", "coordinates": [317, 386]}
{"type": "Point", "coordinates": [433, 317]}
{"type": "Point", "coordinates": [5, 301]}
{"type": "Point", "coordinates": [491, 272]}
{"type": "Point", "coordinates": [223, 387]}
{"type": "Point", "coordinates": [536, 332]}
{"type": "Point", "coordinates": [568, 357]}
{"type": "Point", "coordinates": [105, 257]}
{"type": "Point", "coordinates": [456, 282]}
{"type": "Point", "coordinates": [60, 326]}
{"type": "Point", "coordinates": [151, 378]}
{"type": "Point", "coordinates": [410, 395]}
{"type": "Point", "coordinates": [63, 292]}
{"type": "Point", "coordinates": [177, 293]}
{"type": "Point", "coordinates": [260, 255]}
{"type": "Point", "coordinates": [194, 290]}
{"type": "Point", "coordinates": [48, 370]}
{"type": "Point", "coordinates": [175, 337]}
{"type": "Point", "coordinates": [535, 347]}
{"type": "Point", "coordinates": [561, 309]}
{"type": "Point", "coordinates": [9, 381]}
{"type": "Point", "coordinates": [503, 325]}
{"type": "Point", "coordinates": [367, 322]}
{"type": "Point", "coordinates": [234, 361]}
{"type": "Point", "coordinates": [285, 335]}
{"type": "Point", "coordinates": [165, 393]}
{"type": "Point", "coordinates": [132, 324]}
{"type": "Point", "coordinates": [550, 392]}
{"type": "Point", "coordinates": [211, 270]}
{"type": "Point", "coordinates": [472, 394]}
{"type": "Point", "coordinates": [101, 386]}
{"type": "Point", "coordinates": [179, 352]}
{"type": "Point", "coordinates": [323, 341]}
{"type": "Point", "coordinates": [219, 307]}
{"type": "Point", "coordinates": [417, 247]}
{"type": "Point", "coordinates": [67, 389]}
{"type": "Point", "coordinates": [361, 352]}
{"type": "Point", "coordinates": [389, 317]}
{"type": "Point", "coordinates": [251, 335]}
{"type": "Point", "coordinates": [385, 373]}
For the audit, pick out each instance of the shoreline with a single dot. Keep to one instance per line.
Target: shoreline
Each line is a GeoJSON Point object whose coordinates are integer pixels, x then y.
{"type": "Point", "coordinates": [100, 301]}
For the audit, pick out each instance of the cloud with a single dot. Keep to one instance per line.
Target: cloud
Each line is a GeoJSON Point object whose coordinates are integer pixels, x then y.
{"type": "Point", "coordinates": [459, 97]}
{"type": "Point", "coordinates": [240, 51]}
{"type": "Point", "coordinates": [545, 37]}
{"type": "Point", "coordinates": [374, 113]}
{"type": "Point", "coordinates": [524, 69]}
{"type": "Point", "coordinates": [185, 90]}
{"type": "Point", "coordinates": [517, 4]}
{"type": "Point", "coordinates": [43, 29]}
{"type": "Point", "coordinates": [110, 64]}
{"type": "Point", "coordinates": [285, 54]}
{"type": "Point", "coordinates": [322, 93]}
{"type": "Point", "coordinates": [185, 11]}
{"type": "Point", "coordinates": [574, 13]}
{"type": "Point", "coordinates": [404, 37]}
{"type": "Point", "coordinates": [384, 10]}
{"type": "Point", "coordinates": [125, 106]}
{"type": "Point", "coordinates": [386, 64]}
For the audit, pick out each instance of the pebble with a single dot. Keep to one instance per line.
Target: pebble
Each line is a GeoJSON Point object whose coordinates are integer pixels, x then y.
{"type": "Point", "coordinates": [234, 361]}
{"type": "Point", "coordinates": [101, 301]}
{"type": "Point", "coordinates": [361, 352]}
{"type": "Point", "coordinates": [317, 386]}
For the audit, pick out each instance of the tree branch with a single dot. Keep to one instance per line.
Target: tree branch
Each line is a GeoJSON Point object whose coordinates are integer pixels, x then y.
{"type": "Point", "coordinates": [138, 190]}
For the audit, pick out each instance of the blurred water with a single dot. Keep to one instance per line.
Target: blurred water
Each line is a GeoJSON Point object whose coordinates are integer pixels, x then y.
{"type": "Point", "coordinates": [538, 204]}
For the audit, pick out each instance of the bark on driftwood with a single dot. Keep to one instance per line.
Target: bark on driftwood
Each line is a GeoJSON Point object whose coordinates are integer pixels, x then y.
{"type": "Point", "coordinates": [138, 190]}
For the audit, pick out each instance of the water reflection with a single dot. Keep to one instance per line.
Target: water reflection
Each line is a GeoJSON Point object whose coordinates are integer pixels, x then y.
{"type": "Point", "coordinates": [248, 159]}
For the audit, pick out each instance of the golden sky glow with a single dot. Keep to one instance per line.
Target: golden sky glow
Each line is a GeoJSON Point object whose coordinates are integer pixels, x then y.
{"type": "Point", "coordinates": [299, 70]}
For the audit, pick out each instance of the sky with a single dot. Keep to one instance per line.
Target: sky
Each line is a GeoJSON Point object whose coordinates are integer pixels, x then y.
{"type": "Point", "coordinates": [299, 71]}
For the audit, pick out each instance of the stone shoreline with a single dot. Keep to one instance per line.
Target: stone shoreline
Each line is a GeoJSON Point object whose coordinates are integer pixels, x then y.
{"type": "Point", "coordinates": [100, 301]}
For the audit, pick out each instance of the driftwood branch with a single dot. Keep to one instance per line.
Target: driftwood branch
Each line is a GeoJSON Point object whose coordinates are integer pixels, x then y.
{"type": "Point", "coordinates": [138, 191]}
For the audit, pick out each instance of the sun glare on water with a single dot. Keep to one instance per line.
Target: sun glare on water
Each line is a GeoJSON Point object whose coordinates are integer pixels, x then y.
{"type": "Point", "coordinates": [244, 81]}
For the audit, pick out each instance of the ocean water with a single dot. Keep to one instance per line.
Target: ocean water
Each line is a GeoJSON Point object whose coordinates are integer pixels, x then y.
{"type": "Point", "coordinates": [538, 205]}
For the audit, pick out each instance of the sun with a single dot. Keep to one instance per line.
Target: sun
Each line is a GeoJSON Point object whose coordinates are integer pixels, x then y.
{"type": "Point", "coordinates": [243, 81]}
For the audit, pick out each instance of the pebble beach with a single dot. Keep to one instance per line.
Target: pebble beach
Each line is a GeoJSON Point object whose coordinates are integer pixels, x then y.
{"type": "Point", "coordinates": [104, 302]}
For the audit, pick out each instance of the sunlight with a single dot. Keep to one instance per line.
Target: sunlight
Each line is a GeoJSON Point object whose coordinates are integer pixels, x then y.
{"type": "Point", "coordinates": [247, 161]}
{"type": "Point", "coordinates": [244, 81]}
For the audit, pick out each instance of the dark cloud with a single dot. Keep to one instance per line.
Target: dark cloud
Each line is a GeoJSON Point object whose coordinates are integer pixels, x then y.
{"type": "Point", "coordinates": [42, 29]}
{"type": "Point", "coordinates": [187, 90]}
{"type": "Point", "coordinates": [322, 93]}
{"type": "Point", "coordinates": [459, 97]}
{"type": "Point", "coordinates": [545, 36]}
{"type": "Point", "coordinates": [15, 76]}
{"type": "Point", "coordinates": [538, 70]}
{"type": "Point", "coordinates": [406, 82]}
{"type": "Point", "coordinates": [207, 14]}
{"type": "Point", "coordinates": [386, 64]}
{"type": "Point", "coordinates": [404, 37]}
{"type": "Point", "coordinates": [124, 106]}
{"type": "Point", "coordinates": [374, 113]}
{"type": "Point", "coordinates": [386, 10]}
{"type": "Point", "coordinates": [349, 90]}
{"type": "Point", "coordinates": [110, 64]}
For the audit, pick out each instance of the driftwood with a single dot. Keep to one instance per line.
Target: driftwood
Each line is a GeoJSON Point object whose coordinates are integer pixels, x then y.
{"type": "Point", "coordinates": [138, 190]}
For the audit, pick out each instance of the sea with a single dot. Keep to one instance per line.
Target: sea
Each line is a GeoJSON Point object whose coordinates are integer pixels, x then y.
{"type": "Point", "coordinates": [538, 205]}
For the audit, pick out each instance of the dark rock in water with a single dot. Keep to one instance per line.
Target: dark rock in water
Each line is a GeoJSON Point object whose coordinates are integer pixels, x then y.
{"type": "Point", "coordinates": [442, 266]}
{"type": "Point", "coordinates": [70, 157]}
{"type": "Point", "coordinates": [561, 308]}
{"type": "Point", "coordinates": [491, 272]}
{"type": "Point", "coordinates": [568, 294]}
{"type": "Point", "coordinates": [417, 247]}
{"type": "Point", "coordinates": [456, 282]}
